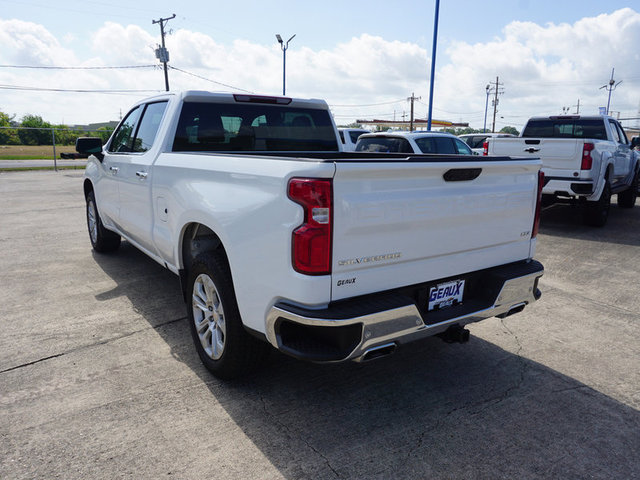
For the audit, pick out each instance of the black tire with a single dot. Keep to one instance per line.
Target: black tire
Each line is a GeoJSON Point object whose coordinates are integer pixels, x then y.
{"type": "Point", "coordinates": [627, 199]}
{"type": "Point", "coordinates": [102, 240]}
{"type": "Point", "coordinates": [596, 213]}
{"type": "Point", "coordinates": [222, 343]}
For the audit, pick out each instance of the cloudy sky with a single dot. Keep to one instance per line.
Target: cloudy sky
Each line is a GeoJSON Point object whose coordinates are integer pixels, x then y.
{"type": "Point", "coordinates": [364, 57]}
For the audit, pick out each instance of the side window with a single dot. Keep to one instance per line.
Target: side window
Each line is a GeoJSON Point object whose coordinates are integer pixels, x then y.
{"type": "Point", "coordinates": [354, 136]}
{"type": "Point", "coordinates": [123, 138]}
{"type": "Point", "coordinates": [426, 145]}
{"type": "Point", "coordinates": [445, 145]}
{"type": "Point", "coordinates": [341, 135]}
{"type": "Point", "coordinates": [231, 124]}
{"type": "Point", "coordinates": [614, 131]}
{"type": "Point", "coordinates": [463, 148]}
{"type": "Point", "coordinates": [623, 136]}
{"type": "Point", "coordinates": [149, 126]}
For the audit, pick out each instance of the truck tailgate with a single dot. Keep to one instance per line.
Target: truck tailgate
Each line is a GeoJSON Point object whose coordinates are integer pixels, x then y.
{"type": "Point", "coordinates": [401, 223]}
{"type": "Point", "coordinates": [558, 154]}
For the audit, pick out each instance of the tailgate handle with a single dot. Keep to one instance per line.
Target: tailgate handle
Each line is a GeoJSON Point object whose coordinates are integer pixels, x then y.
{"type": "Point", "coordinates": [461, 174]}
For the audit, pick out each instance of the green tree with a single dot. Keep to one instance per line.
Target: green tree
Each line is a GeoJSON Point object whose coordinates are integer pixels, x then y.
{"type": "Point", "coordinates": [104, 133]}
{"type": "Point", "coordinates": [7, 136]}
{"type": "Point", "coordinates": [461, 131]}
{"type": "Point", "coordinates": [511, 130]}
{"type": "Point", "coordinates": [41, 136]}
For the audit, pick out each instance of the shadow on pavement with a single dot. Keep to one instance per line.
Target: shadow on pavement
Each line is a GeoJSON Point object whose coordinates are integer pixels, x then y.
{"type": "Point", "coordinates": [430, 411]}
{"type": "Point", "coordinates": [623, 225]}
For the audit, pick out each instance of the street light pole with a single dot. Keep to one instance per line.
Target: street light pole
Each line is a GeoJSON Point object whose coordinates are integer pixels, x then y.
{"type": "Point", "coordinates": [433, 63]}
{"type": "Point", "coordinates": [486, 106]}
{"type": "Point", "coordinates": [284, 47]}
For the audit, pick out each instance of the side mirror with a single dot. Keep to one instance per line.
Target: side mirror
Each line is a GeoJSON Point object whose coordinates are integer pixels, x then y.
{"type": "Point", "coordinates": [635, 142]}
{"type": "Point", "coordinates": [90, 146]}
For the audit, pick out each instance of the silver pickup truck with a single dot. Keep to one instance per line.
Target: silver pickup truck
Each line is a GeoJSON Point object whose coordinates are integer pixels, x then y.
{"type": "Point", "coordinates": [585, 160]}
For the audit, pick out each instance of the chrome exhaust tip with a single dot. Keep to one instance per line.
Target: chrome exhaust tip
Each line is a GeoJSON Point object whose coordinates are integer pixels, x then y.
{"type": "Point", "coordinates": [377, 352]}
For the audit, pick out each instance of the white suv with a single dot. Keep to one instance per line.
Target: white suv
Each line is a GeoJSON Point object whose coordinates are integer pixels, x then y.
{"type": "Point", "coordinates": [412, 142]}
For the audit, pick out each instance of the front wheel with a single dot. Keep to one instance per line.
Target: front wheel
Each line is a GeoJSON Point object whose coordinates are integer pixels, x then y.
{"type": "Point", "coordinates": [596, 213]}
{"type": "Point", "coordinates": [102, 240]}
{"type": "Point", "coordinates": [221, 341]}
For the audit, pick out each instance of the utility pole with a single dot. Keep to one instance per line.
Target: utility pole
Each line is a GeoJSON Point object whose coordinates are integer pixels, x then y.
{"type": "Point", "coordinates": [578, 108]}
{"type": "Point", "coordinates": [161, 53]}
{"type": "Point", "coordinates": [412, 99]}
{"type": "Point", "coordinates": [497, 91]}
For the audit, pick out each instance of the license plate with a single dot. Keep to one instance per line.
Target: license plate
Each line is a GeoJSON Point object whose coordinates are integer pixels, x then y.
{"type": "Point", "coordinates": [446, 294]}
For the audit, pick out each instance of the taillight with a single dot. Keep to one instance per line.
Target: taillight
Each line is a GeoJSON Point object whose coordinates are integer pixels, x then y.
{"type": "Point", "coordinates": [587, 159]}
{"type": "Point", "coordinates": [536, 218]}
{"type": "Point", "coordinates": [311, 241]}
{"type": "Point", "coordinates": [485, 148]}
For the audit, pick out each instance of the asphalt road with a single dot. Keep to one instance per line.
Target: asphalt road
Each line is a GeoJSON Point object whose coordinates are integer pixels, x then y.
{"type": "Point", "coordinates": [98, 377]}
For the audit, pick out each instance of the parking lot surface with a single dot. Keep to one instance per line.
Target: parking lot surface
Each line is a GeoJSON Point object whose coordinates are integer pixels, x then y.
{"type": "Point", "coordinates": [99, 378]}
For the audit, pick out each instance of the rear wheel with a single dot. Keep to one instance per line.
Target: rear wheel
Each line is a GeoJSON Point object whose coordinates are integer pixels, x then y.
{"type": "Point", "coordinates": [221, 341]}
{"type": "Point", "coordinates": [627, 199]}
{"type": "Point", "coordinates": [102, 240]}
{"type": "Point", "coordinates": [596, 213]}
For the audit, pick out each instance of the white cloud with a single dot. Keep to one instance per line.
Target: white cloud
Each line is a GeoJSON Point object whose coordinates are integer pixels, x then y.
{"type": "Point", "coordinates": [543, 68]}
{"type": "Point", "coordinates": [27, 43]}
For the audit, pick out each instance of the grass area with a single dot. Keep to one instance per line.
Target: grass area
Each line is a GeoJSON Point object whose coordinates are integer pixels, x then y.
{"type": "Point", "coordinates": [27, 169]}
{"type": "Point", "coordinates": [32, 152]}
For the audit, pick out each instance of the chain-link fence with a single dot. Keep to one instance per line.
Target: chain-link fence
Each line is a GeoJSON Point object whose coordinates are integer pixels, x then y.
{"type": "Point", "coordinates": [21, 144]}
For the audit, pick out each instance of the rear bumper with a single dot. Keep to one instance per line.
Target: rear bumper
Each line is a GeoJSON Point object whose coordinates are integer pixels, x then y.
{"type": "Point", "coordinates": [568, 187]}
{"type": "Point", "coordinates": [348, 329]}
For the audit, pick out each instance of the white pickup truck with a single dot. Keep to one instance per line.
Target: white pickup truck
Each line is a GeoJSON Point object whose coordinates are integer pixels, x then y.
{"type": "Point", "coordinates": [585, 159]}
{"type": "Point", "coordinates": [279, 236]}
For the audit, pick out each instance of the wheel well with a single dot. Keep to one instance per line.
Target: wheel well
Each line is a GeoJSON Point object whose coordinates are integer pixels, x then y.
{"type": "Point", "coordinates": [88, 187]}
{"type": "Point", "coordinates": [197, 239]}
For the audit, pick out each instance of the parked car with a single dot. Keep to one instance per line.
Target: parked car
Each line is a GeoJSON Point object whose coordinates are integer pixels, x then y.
{"type": "Point", "coordinates": [412, 142]}
{"type": "Point", "coordinates": [476, 141]}
{"type": "Point", "coordinates": [280, 238]}
{"type": "Point", "coordinates": [349, 137]}
{"type": "Point", "coordinates": [585, 159]}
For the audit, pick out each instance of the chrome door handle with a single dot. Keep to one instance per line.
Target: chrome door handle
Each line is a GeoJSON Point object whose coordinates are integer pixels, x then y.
{"type": "Point", "coordinates": [114, 170]}
{"type": "Point", "coordinates": [142, 174]}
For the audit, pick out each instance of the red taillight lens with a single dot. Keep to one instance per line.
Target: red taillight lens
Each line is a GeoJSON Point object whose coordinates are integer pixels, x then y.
{"type": "Point", "coordinates": [485, 148]}
{"type": "Point", "coordinates": [587, 159]}
{"type": "Point", "coordinates": [311, 241]}
{"type": "Point", "coordinates": [536, 218]}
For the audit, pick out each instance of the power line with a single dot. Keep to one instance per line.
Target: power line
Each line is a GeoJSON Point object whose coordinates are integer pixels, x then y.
{"type": "Point", "coordinates": [209, 80]}
{"type": "Point", "coordinates": [43, 67]}
{"type": "Point", "coordinates": [41, 89]}
{"type": "Point", "coordinates": [370, 104]}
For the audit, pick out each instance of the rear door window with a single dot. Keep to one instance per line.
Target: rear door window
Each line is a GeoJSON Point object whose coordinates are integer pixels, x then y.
{"type": "Point", "coordinates": [445, 145]}
{"type": "Point", "coordinates": [148, 126]}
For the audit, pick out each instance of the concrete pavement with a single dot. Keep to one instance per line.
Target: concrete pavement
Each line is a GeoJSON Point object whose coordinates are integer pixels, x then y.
{"type": "Point", "coordinates": [99, 379]}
